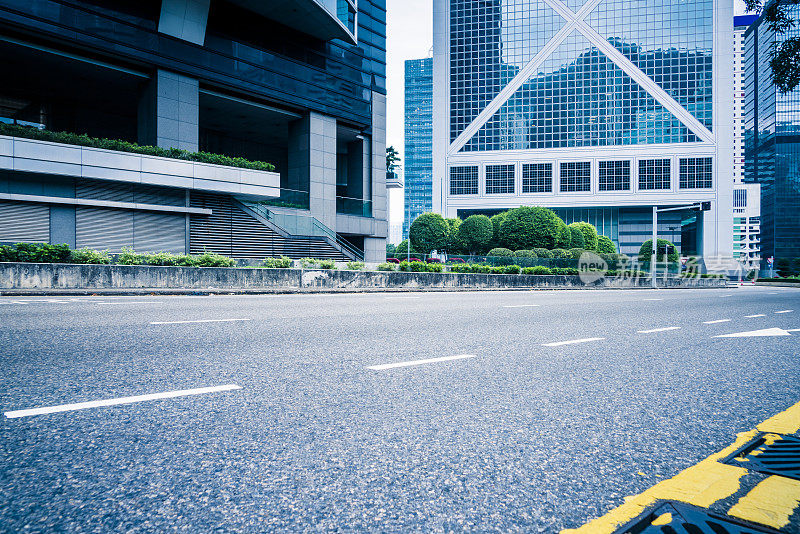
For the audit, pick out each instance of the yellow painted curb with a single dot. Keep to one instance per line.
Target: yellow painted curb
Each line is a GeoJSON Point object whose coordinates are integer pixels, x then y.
{"type": "Point", "coordinates": [772, 502]}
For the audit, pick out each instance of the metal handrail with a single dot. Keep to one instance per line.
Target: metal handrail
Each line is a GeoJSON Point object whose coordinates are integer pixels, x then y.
{"type": "Point", "coordinates": [305, 225]}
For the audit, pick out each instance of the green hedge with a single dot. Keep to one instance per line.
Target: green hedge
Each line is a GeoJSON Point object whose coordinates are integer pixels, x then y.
{"type": "Point", "coordinates": [420, 267]}
{"type": "Point", "coordinates": [46, 253]}
{"type": "Point", "coordinates": [284, 262]}
{"type": "Point", "coordinates": [68, 138]}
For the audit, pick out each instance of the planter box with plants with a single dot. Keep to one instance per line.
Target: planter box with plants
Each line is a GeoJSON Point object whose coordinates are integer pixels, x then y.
{"type": "Point", "coordinates": [28, 149]}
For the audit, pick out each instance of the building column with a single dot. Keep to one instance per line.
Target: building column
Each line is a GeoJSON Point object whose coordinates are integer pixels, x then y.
{"type": "Point", "coordinates": [169, 112]}
{"type": "Point", "coordinates": [375, 246]}
{"type": "Point", "coordinates": [312, 164]}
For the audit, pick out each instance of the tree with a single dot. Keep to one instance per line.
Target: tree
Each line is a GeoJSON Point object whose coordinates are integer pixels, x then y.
{"type": "Point", "coordinates": [390, 249]}
{"type": "Point", "coordinates": [605, 245]}
{"type": "Point", "coordinates": [497, 221]}
{"type": "Point", "coordinates": [646, 252]}
{"type": "Point", "coordinates": [576, 238]}
{"type": "Point", "coordinates": [785, 56]}
{"type": "Point", "coordinates": [589, 234]}
{"type": "Point", "coordinates": [529, 227]}
{"type": "Point", "coordinates": [392, 159]}
{"type": "Point", "coordinates": [429, 232]}
{"type": "Point", "coordinates": [476, 233]}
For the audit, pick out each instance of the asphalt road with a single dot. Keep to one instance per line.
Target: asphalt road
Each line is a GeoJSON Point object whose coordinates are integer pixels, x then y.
{"type": "Point", "coordinates": [518, 436]}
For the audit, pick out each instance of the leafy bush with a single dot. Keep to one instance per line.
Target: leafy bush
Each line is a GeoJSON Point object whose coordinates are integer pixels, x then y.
{"type": "Point", "coordinates": [435, 267]}
{"type": "Point", "coordinates": [385, 267]}
{"type": "Point", "coordinates": [576, 237]}
{"type": "Point", "coordinates": [390, 249]}
{"type": "Point", "coordinates": [529, 227]}
{"type": "Point", "coordinates": [68, 138]}
{"type": "Point", "coordinates": [564, 236]}
{"type": "Point", "coordinates": [543, 253]}
{"type": "Point", "coordinates": [476, 233]}
{"type": "Point", "coordinates": [210, 259]}
{"type": "Point", "coordinates": [605, 245]}
{"type": "Point", "coordinates": [575, 253]}
{"type": "Point", "coordinates": [560, 254]}
{"type": "Point", "coordinates": [355, 265]}
{"type": "Point", "coordinates": [421, 267]}
{"type": "Point", "coordinates": [461, 268]}
{"type": "Point", "coordinates": [36, 253]}
{"type": "Point", "coordinates": [284, 262]}
{"type": "Point", "coordinates": [429, 232]}
{"type": "Point", "coordinates": [501, 253]}
{"type": "Point", "coordinates": [308, 263]}
{"type": "Point", "coordinates": [589, 233]}
{"type": "Point", "coordinates": [539, 270]}
{"type": "Point", "coordinates": [497, 270]}
{"type": "Point", "coordinates": [512, 269]}
{"type": "Point", "coordinates": [130, 257]}
{"type": "Point", "coordinates": [327, 264]}
{"type": "Point", "coordinates": [525, 254]}
{"type": "Point", "coordinates": [497, 222]}
{"type": "Point", "coordinates": [87, 255]}
{"type": "Point", "coordinates": [645, 253]}
{"type": "Point", "coordinates": [453, 243]}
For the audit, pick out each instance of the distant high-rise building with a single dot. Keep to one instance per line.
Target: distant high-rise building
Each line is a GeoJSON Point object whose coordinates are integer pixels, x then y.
{"type": "Point", "coordinates": [746, 197]}
{"type": "Point", "coordinates": [772, 142]}
{"type": "Point", "coordinates": [418, 139]}
{"type": "Point", "coordinates": [598, 109]}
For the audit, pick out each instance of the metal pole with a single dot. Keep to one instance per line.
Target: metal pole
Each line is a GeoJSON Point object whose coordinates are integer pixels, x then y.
{"type": "Point", "coordinates": [654, 247]}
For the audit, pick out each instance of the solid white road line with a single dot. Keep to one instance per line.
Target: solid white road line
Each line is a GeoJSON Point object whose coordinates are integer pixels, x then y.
{"type": "Point", "coordinates": [653, 299]}
{"type": "Point", "coordinates": [130, 302]}
{"type": "Point", "coordinates": [654, 330]}
{"type": "Point", "coordinates": [385, 366]}
{"type": "Point", "coordinates": [718, 321]}
{"type": "Point", "coordinates": [201, 321]}
{"type": "Point", "coordinates": [523, 306]}
{"type": "Point", "coordinates": [794, 330]}
{"type": "Point", "coordinates": [753, 316]}
{"type": "Point", "coordinates": [120, 400]}
{"type": "Point", "coordinates": [767, 332]}
{"type": "Point", "coordinates": [572, 342]}
{"type": "Point", "coordinates": [785, 311]}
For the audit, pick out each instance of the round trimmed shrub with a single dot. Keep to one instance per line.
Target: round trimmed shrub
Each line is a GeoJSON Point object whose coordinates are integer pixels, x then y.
{"type": "Point", "coordinates": [476, 233]}
{"type": "Point", "coordinates": [529, 227]}
{"type": "Point", "coordinates": [589, 234]}
{"type": "Point", "coordinates": [501, 252]}
{"type": "Point", "coordinates": [560, 254]}
{"type": "Point", "coordinates": [575, 253]}
{"type": "Point", "coordinates": [543, 253]}
{"type": "Point", "coordinates": [525, 254]}
{"type": "Point", "coordinates": [453, 244]}
{"type": "Point", "coordinates": [576, 237]}
{"type": "Point", "coordinates": [605, 245]}
{"type": "Point", "coordinates": [497, 222]}
{"type": "Point", "coordinates": [429, 231]}
{"type": "Point", "coordinates": [564, 238]}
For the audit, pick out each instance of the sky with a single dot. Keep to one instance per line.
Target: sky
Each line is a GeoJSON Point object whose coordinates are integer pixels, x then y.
{"type": "Point", "coordinates": [409, 35]}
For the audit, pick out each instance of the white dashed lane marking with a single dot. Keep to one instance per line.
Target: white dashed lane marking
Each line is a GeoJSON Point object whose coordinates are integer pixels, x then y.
{"type": "Point", "coordinates": [718, 321]}
{"type": "Point", "coordinates": [385, 366]}
{"type": "Point", "coordinates": [119, 400]}
{"type": "Point", "coordinates": [573, 342]}
{"type": "Point", "coordinates": [655, 330]}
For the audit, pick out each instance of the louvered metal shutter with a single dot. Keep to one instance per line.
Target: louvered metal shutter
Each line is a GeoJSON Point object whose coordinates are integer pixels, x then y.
{"type": "Point", "coordinates": [97, 190]}
{"type": "Point", "coordinates": [103, 228]}
{"type": "Point", "coordinates": [159, 232]}
{"type": "Point", "coordinates": [24, 222]}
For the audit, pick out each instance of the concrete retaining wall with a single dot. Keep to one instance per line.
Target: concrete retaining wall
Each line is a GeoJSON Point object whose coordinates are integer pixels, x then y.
{"type": "Point", "coordinates": [45, 276]}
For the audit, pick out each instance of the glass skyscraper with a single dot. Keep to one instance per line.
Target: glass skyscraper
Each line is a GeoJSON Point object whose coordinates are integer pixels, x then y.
{"type": "Point", "coordinates": [418, 139]}
{"type": "Point", "coordinates": [772, 144]}
{"type": "Point", "coordinates": [599, 109]}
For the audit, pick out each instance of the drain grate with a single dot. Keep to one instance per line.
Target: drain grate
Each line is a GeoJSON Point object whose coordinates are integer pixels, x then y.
{"type": "Point", "coordinates": [772, 454]}
{"type": "Point", "coordinates": [679, 518]}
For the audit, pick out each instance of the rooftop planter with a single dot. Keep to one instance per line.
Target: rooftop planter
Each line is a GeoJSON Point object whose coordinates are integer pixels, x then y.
{"type": "Point", "coordinates": [67, 138]}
